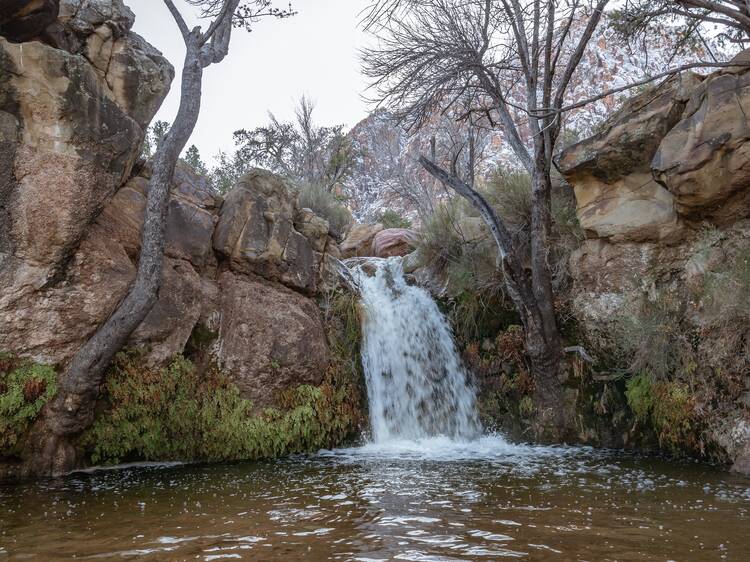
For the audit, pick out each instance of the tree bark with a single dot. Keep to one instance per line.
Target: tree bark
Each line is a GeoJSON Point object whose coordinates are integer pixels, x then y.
{"type": "Point", "coordinates": [72, 409]}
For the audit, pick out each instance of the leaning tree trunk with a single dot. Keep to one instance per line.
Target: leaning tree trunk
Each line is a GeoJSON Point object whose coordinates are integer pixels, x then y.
{"type": "Point", "coordinates": [50, 450]}
{"type": "Point", "coordinates": [533, 300]}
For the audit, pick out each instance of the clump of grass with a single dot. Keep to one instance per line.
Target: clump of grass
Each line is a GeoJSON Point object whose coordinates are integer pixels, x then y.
{"type": "Point", "coordinates": [25, 388]}
{"type": "Point", "coordinates": [392, 219]}
{"type": "Point", "coordinates": [181, 413]}
{"type": "Point", "coordinates": [651, 337]}
{"type": "Point", "coordinates": [327, 205]}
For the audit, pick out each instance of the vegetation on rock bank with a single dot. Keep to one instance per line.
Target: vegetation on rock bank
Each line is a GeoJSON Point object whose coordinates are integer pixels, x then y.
{"type": "Point", "coordinates": [25, 388]}
{"type": "Point", "coordinates": [190, 410]}
{"type": "Point", "coordinates": [182, 412]}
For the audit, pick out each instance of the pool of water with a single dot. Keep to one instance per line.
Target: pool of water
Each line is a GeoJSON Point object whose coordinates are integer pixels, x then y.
{"type": "Point", "coordinates": [434, 500]}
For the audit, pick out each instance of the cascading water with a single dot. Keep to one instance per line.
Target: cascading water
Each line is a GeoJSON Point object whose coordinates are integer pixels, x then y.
{"type": "Point", "coordinates": [417, 387]}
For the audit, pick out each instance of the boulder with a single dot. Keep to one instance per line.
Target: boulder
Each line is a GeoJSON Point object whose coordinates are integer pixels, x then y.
{"type": "Point", "coordinates": [704, 160]}
{"type": "Point", "coordinates": [49, 323]}
{"type": "Point", "coordinates": [358, 242]}
{"type": "Point", "coordinates": [394, 242]}
{"type": "Point", "coordinates": [23, 20]}
{"type": "Point", "coordinates": [170, 323]}
{"type": "Point", "coordinates": [610, 172]}
{"type": "Point", "coordinates": [312, 227]}
{"type": "Point", "coordinates": [261, 357]}
{"type": "Point", "coordinates": [257, 234]}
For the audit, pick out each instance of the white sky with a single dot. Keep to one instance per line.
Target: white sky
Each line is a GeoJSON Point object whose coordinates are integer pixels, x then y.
{"type": "Point", "coordinates": [313, 53]}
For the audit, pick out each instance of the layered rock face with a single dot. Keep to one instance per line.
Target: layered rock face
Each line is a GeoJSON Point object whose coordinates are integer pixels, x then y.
{"type": "Point", "coordinates": [663, 193]}
{"type": "Point", "coordinates": [75, 101]}
{"type": "Point", "coordinates": [72, 119]}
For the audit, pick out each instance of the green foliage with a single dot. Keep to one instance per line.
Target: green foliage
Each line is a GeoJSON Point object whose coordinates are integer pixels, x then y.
{"type": "Point", "coordinates": [25, 388]}
{"type": "Point", "coordinates": [180, 413]}
{"type": "Point", "coordinates": [669, 407]}
{"type": "Point", "coordinates": [154, 135]}
{"type": "Point", "coordinates": [392, 219]}
{"type": "Point", "coordinates": [639, 392]}
{"type": "Point", "coordinates": [456, 241]}
{"type": "Point", "coordinates": [193, 159]}
{"type": "Point", "coordinates": [228, 170]}
{"type": "Point", "coordinates": [526, 407]}
{"type": "Point", "coordinates": [327, 205]}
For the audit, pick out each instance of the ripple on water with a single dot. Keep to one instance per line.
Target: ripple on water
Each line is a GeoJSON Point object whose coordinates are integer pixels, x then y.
{"type": "Point", "coordinates": [434, 500]}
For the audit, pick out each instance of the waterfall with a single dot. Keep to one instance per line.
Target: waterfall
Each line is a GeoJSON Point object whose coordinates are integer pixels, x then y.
{"type": "Point", "coordinates": [416, 384]}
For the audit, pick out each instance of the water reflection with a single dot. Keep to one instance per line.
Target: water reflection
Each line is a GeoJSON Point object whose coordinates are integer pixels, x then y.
{"type": "Point", "coordinates": [437, 502]}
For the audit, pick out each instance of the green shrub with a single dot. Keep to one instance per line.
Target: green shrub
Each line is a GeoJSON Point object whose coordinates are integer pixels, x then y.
{"type": "Point", "coordinates": [327, 205]}
{"type": "Point", "coordinates": [25, 388]}
{"type": "Point", "coordinates": [668, 407]}
{"type": "Point", "coordinates": [180, 413]}
{"type": "Point", "coordinates": [639, 392]}
{"type": "Point", "coordinates": [391, 219]}
{"type": "Point", "coordinates": [456, 241]}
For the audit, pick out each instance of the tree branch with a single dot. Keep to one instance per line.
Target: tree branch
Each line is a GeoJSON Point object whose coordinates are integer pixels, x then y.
{"type": "Point", "coordinates": [184, 30]}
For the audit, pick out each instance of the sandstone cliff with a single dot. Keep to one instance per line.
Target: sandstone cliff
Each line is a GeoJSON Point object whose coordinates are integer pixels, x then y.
{"type": "Point", "coordinates": [663, 192]}
{"type": "Point", "coordinates": [77, 93]}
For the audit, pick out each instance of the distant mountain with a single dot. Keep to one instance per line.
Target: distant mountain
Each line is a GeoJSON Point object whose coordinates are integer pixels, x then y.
{"type": "Point", "coordinates": [386, 150]}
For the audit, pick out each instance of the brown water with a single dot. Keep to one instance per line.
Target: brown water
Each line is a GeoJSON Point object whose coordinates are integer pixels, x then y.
{"type": "Point", "coordinates": [435, 501]}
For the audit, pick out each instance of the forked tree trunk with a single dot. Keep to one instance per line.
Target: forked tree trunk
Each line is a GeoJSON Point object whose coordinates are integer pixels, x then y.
{"type": "Point", "coordinates": [50, 448]}
{"type": "Point", "coordinates": [533, 297]}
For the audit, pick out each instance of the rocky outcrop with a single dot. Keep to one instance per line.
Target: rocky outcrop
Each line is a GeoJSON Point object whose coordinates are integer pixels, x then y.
{"type": "Point", "coordinates": [268, 331]}
{"type": "Point", "coordinates": [74, 105]}
{"type": "Point", "coordinates": [72, 132]}
{"type": "Point", "coordinates": [663, 193]}
{"type": "Point", "coordinates": [257, 233]}
{"type": "Point", "coordinates": [269, 338]}
{"type": "Point", "coordinates": [358, 243]}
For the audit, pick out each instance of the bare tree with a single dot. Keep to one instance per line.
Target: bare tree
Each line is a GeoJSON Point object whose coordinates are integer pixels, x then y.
{"type": "Point", "coordinates": [516, 58]}
{"type": "Point", "coordinates": [302, 150]}
{"type": "Point", "coordinates": [72, 410]}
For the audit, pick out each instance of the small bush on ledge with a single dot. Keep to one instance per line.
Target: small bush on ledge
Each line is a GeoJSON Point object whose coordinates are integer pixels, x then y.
{"type": "Point", "coordinates": [180, 413]}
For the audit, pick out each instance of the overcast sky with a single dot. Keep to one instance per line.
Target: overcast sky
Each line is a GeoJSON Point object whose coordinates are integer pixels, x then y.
{"type": "Point", "coordinates": [313, 53]}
